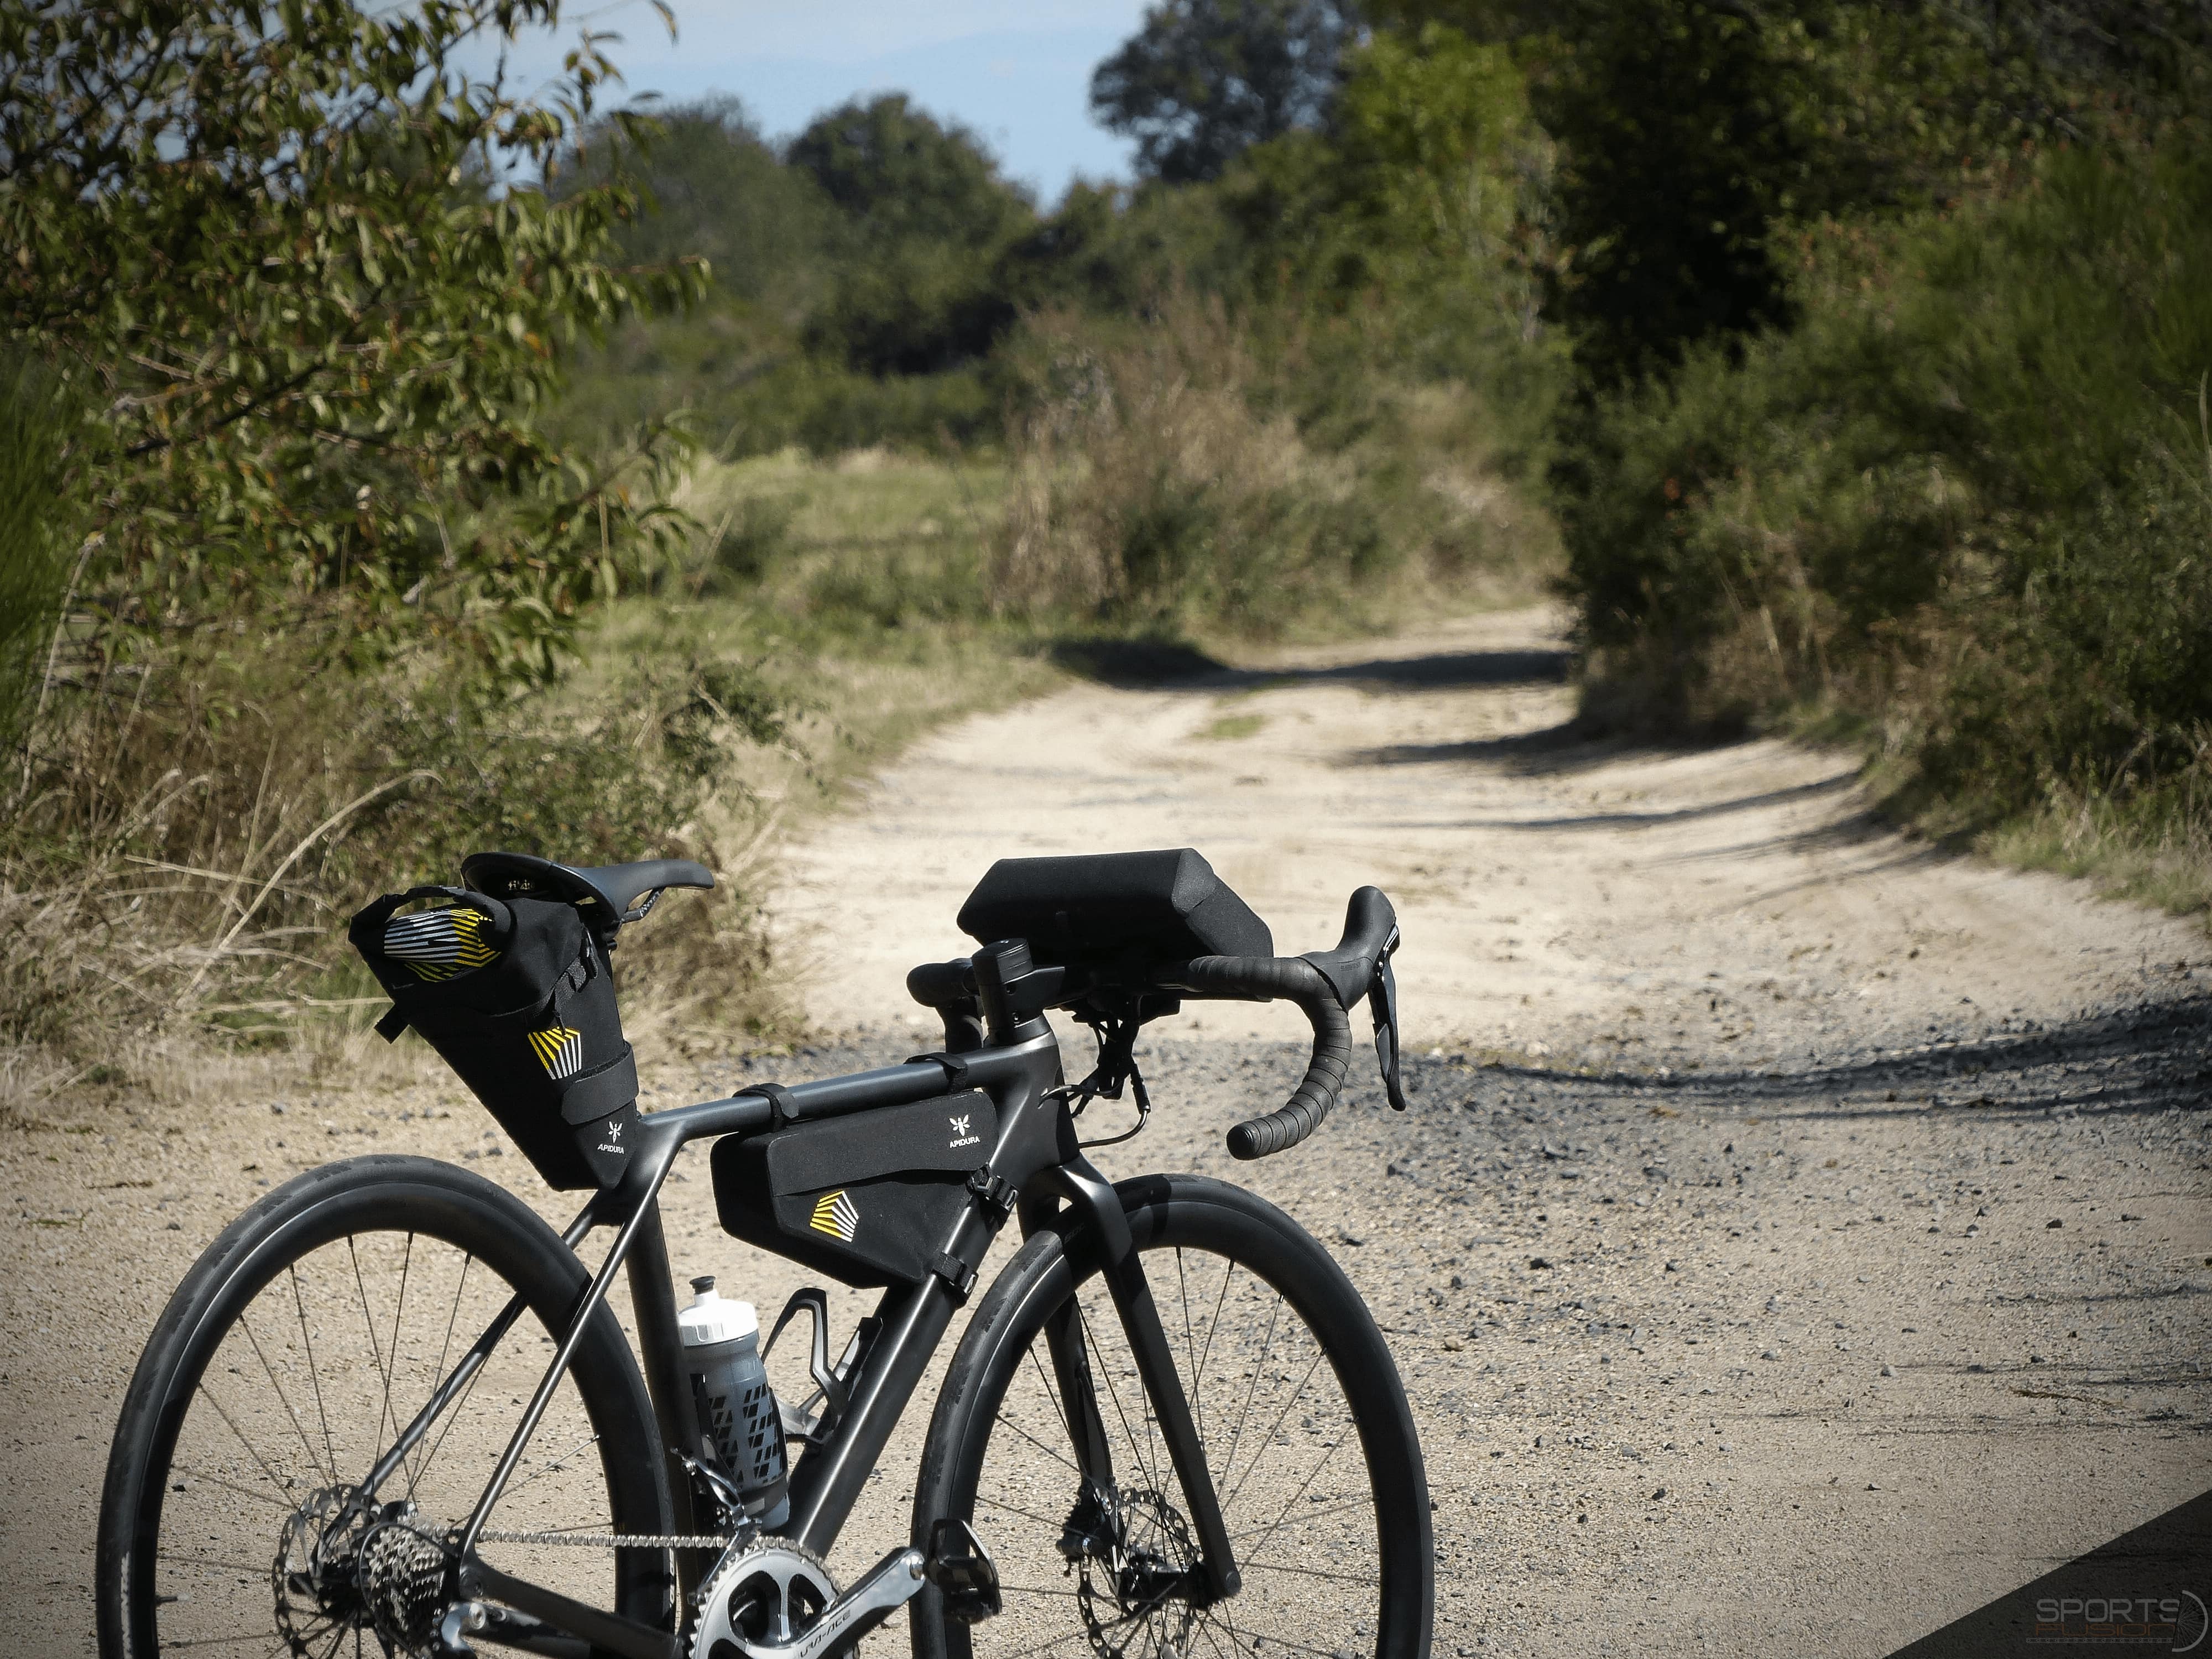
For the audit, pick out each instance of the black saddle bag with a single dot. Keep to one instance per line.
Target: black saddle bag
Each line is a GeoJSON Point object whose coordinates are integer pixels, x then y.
{"type": "Point", "coordinates": [869, 1198]}
{"type": "Point", "coordinates": [516, 994]}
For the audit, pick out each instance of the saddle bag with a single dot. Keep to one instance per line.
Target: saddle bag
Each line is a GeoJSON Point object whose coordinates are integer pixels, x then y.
{"type": "Point", "coordinates": [869, 1198]}
{"type": "Point", "coordinates": [516, 994]}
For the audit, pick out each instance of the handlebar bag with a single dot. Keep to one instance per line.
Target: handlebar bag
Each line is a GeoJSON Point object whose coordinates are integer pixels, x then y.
{"type": "Point", "coordinates": [869, 1198]}
{"type": "Point", "coordinates": [516, 994]}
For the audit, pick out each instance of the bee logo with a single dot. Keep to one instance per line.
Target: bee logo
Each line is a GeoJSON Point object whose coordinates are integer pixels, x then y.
{"type": "Point", "coordinates": [960, 1135]}
{"type": "Point", "coordinates": [835, 1215]}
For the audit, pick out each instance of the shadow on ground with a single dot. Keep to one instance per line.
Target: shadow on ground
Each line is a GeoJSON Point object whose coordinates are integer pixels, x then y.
{"type": "Point", "coordinates": [2153, 1058]}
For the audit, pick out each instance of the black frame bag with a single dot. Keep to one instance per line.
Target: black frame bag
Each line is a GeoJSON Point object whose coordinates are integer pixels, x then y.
{"type": "Point", "coordinates": [517, 996]}
{"type": "Point", "coordinates": [868, 1199]}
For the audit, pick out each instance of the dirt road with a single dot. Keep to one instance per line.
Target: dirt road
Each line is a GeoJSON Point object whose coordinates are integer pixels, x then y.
{"type": "Point", "coordinates": [1797, 1237]}
{"type": "Point", "coordinates": [1800, 1235]}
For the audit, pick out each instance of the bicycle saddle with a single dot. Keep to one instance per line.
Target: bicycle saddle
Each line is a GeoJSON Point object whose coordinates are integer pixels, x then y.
{"type": "Point", "coordinates": [609, 894]}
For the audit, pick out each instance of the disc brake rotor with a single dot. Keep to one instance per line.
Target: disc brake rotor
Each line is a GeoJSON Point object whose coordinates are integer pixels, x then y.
{"type": "Point", "coordinates": [1142, 1608]}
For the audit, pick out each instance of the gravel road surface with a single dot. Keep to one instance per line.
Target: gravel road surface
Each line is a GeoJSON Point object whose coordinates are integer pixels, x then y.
{"type": "Point", "coordinates": [1798, 1236]}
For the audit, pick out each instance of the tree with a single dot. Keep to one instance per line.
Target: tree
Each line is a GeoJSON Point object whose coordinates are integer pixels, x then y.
{"type": "Point", "coordinates": [926, 218]}
{"type": "Point", "coordinates": [1678, 153]}
{"type": "Point", "coordinates": [897, 173]}
{"type": "Point", "coordinates": [715, 189]}
{"type": "Point", "coordinates": [1204, 80]}
{"type": "Point", "coordinates": [284, 259]}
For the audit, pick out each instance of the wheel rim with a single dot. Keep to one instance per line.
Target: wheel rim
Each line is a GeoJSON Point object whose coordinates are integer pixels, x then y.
{"type": "Point", "coordinates": [1284, 1448]}
{"type": "Point", "coordinates": [254, 1534]}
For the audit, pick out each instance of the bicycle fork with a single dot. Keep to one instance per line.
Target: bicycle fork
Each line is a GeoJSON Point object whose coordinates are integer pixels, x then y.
{"type": "Point", "coordinates": [1215, 1576]}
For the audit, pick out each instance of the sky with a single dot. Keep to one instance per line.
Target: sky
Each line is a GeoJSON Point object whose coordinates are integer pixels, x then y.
{"type": "Point", "coordinates": [1016, 72]}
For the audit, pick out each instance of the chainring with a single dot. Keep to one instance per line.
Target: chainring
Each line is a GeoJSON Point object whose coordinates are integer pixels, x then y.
{"type": "Point", "coordinates": [764, 1596]}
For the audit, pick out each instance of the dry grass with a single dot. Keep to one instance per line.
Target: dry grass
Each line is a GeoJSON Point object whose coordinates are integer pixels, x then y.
{"type": "Point", "coordinates": [1161, 478]}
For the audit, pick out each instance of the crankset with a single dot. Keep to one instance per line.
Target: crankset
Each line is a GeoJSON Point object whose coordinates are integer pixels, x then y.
{"type": "Point", "coordinates": [769, 1598]}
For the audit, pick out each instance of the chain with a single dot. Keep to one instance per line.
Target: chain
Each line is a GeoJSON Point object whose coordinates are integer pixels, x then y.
{"type": "Point", "coordinates": [613, 1540]}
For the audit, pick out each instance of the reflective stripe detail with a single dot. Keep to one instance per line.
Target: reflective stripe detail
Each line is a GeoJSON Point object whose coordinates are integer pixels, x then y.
{"type": "Point", "coordinates": [438, 945]}
{"type": "Point", "coordinates": [559, 1050]}
{"type": "Point", "coordinates": [836, 1214]}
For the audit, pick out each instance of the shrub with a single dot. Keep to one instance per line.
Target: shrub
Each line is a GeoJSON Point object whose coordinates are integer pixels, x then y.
{"type": "Point", "coordinates": [1967, 502]}
{"type": "Point", "coordinates": [197, 829]}
{"type": "Point", "coordinates": [1163, 479]}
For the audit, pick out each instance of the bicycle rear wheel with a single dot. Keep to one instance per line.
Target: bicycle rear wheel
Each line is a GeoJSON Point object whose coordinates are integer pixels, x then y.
{"type": "Point", "coordinates": [1307, 1433]}
{"type": "Point", "coordinates": [235, 1516]}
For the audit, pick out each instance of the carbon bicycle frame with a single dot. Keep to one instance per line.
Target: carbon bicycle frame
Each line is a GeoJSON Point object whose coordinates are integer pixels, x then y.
{"type": "Point", "coordinates": [1036, 1159]}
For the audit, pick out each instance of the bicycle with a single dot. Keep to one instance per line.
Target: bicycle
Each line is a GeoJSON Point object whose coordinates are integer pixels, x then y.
{"type": "Point", "coordinates": [1138, 1448]}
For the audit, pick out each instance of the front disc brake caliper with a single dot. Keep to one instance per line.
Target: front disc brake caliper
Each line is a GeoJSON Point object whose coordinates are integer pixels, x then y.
{"type": "Point", "coordinates": [1093, 1528]}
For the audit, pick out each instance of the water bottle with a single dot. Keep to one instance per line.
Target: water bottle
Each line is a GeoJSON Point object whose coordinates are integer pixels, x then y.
{"type": "Point", "coordinates": [737, 1408]}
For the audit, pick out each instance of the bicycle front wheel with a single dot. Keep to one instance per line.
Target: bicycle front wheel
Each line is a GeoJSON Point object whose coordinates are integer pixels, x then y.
{"type": "Point", "coordinates": [1307, 1434]}
{"type": "Point", "coordinates": [239, 1515]}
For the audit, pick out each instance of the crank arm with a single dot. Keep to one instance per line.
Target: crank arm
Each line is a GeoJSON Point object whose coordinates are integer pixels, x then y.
{"type": "Point", "coordinates": [890, 1585]}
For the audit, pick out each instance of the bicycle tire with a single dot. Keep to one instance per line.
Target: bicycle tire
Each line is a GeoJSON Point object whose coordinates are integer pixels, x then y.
{"type": "Point", "coordinates": [1172, 1218]}
{"type": "Point", "coordinates": [363, 1202]}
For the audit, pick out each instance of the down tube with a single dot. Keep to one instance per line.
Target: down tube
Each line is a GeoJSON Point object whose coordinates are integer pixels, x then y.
{"type": "Point", "coordinates": [829, 1478]}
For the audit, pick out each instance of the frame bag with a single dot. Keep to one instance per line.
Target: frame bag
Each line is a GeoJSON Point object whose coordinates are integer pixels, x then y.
{"type": "Point", "coordinates": [868, 1199]}
{"type": "Point", "coordinates": [517, 996]}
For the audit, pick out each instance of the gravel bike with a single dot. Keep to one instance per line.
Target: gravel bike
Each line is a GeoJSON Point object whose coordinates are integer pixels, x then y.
{"type": "Point", "coordinates": [390, 1410]}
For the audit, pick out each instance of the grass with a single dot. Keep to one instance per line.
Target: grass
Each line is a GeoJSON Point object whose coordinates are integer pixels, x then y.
{"type": "Point", "coordinates": [829, 612]}
{"type": "Point", "coordinates": [1231, 728]}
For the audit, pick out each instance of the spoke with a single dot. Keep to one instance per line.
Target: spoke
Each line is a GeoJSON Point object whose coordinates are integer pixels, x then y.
{"type": "Point", "coordinates": [219, 1641]}
{"type": "Point", "coordinates": [1015, 1509]}
{"type": "Point", "coordinates": [560, 1462]}
{"type": "Point", "coordinates": [1274, 1429]}
{"type": "Point", "coordinates": [398, 1311]}
{"type": "Point", "coordinates": [1115, 1395]}
{"type": "Point", "coordinates": [1205, 1629]}
{"type": "Point", "coordinates": [282, 1491]}
{"type": "Point", "coordinates": [1043, 1647]}
{"type": "Point", "coordinates": [1036, 1589]}
{"type": "Point", "coordinates": [415, 1470]}
{"type": "Point", "coordinates": [1220, 1300]}
{"type": "Point", "coordinates": [1311, 1572]}
{"type": "Point", "coordinates": [254, 1342]}
{"type": "Point", "coordinates": [1033, 1440]}
{"type": "Point", "coordinates": [232, 1485]}
{"type": "Point", "coordinates": [454, 1415]}
{"type": "Point", "coordinates": [1197, 1397]}
{"type": "Point", "coordinates": [314, 1375]}
{"type": "Point", "coordinates": [1267, 1636]}
{"type": "Point", "coordinates": [1261, 1547]}
{"type": "Point", "coordinates": [376, 1353]}
{"type": "Point", "coordinates": [1052, 1395]}
{"type": "Point", "coordinates": [1258, 1365]}
{"type": "Point", "coordinates": [1337, 1506]}
{"type": "Point", "coordinates": [213, 1564]}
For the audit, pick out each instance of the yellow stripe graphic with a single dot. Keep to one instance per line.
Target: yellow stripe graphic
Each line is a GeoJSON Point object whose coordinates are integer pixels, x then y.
{"type": "Point", "coordinates": [837, 1215]}
{"type": "Point", "coordinates": [559, 1050]}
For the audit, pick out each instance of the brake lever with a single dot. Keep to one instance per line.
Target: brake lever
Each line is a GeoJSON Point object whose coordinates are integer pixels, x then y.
{"type": "Point", "coordinates": [1383, 1004]}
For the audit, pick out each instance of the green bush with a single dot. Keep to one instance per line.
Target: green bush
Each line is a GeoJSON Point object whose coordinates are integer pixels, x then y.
{"type": "Point", "coordinates": [1966, 503]}
{"type": "Point", "coordinates": [37, 531]}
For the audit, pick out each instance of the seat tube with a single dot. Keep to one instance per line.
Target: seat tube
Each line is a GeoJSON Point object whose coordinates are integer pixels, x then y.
{"type": "Point", "coordinates": [653, 1301]}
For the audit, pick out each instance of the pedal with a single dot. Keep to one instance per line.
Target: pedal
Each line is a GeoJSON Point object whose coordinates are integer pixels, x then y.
{"type": "Point", "coordinates": [964, 1572]}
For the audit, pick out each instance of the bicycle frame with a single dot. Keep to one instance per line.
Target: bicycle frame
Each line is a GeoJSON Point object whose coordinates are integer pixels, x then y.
{"type": "Point", "coordinates": [1036, 1159]}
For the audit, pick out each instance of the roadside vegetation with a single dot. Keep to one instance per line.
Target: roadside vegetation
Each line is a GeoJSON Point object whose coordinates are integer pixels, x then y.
{"type": "Point", "coordinates": [392, 464]}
